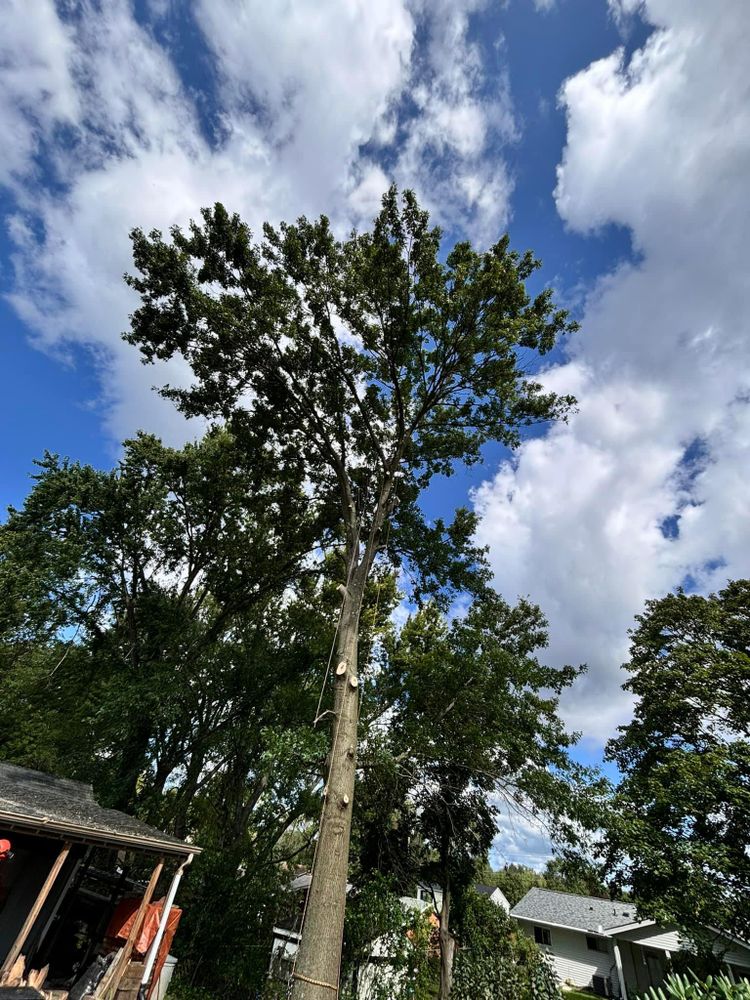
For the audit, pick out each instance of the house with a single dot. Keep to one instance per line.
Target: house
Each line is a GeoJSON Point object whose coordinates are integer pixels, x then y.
{"type": "Point", "coordinates": [426, 899]}
{"type": "Point", "coordinates": [495, 895]}
{"type": "Point", "coordinates": [601, 943]}
{"type": "Point", "coordinates": [69, 870]}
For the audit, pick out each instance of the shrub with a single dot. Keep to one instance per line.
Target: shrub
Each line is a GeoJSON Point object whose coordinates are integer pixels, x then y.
{"type": "Point", "coordinates": [498, 962]}
{"type": "Point", "coordinates": [689, 987]}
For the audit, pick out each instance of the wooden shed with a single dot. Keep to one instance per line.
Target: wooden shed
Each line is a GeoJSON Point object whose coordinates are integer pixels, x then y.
{"type": "Point", "coordinates": [65, 865]}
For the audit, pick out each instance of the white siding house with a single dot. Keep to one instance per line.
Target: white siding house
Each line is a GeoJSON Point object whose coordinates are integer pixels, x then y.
{"type": "Point", "coordinates": [574, 962]}
{"type": "Point", "coordinates": [600, 944]}
{"type": "Point", "coordinates": [427, 898]}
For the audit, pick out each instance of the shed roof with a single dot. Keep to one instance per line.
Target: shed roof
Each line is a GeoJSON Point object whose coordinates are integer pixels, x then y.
{"type": "Point", "coordinates": [40, 803]}
{"type": "Point", "coordinates": [566, 909]}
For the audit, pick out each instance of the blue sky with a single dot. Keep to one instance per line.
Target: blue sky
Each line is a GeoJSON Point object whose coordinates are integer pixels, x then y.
{"type": "Point", "coordinates": [53, 401]}
{"type": "Point", "coordinates": [611, 136]}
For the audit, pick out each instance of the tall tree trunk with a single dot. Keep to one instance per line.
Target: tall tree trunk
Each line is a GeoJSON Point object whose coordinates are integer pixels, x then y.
{"type": "Point", "coordinates": [132, 764]}
{"type": "Point", "coordinates": [319, 957]}
{"type": "Point", "coordinates": [447, 942]}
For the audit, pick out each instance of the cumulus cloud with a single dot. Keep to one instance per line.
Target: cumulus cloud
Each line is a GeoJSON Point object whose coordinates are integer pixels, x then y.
{"type": "Point", "coordinates": [645, 488]}
{"type": "Point", "coordinates": [521, 839]}
{"type": "Point", "coordinates": [37, 93]}
{"type": "Point", "coordinates": [447, 148]}
{"type": "Point", "coordinates": [105, 134]}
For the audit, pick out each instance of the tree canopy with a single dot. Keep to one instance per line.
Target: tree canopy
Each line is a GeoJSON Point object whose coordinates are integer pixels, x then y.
{"type": "Point", "coordinates": [375, 365]}
{"type": "Point", "coordinates": [681, 816]}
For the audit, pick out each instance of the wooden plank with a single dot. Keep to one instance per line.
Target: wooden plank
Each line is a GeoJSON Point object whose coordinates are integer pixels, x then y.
{"type": "Point", "coordinates": [34, 912]}
{"type": "Point", "coordinates": [133, 975]}
{"type": "Point", "coordinates": [37, 977]}
{"type": "Point", "coordinates": [121, 963]}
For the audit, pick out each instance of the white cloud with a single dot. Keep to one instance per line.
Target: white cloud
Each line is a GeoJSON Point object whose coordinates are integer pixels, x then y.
{"type": "Point", "coordinates": [94, 96]}
{"type": "Point", "coordinates": [521, 839]}
{"type": "Point", "coordinates": [448, 149]}
{"type": "Point", "coordinates": [37, 93]}
{"type": "Point", "coordinates": [323, 76]}
{"type": "Point", "coordinates": [660, 145]}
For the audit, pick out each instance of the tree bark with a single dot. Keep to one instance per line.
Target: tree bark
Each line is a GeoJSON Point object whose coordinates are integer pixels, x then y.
{"type": "Point", "coordinates": [447, 942]}
{"type": "Point", "coordinates": [319, 957]}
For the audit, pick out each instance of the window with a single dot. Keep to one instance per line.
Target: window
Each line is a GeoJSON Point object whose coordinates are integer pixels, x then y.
{"type": "Point", "coordinates": [596, 944]}
{"type": "Point", "coordinates": [541, 935]}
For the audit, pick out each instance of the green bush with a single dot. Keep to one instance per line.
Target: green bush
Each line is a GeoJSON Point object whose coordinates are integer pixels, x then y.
{"type": "Point", "coordinates": [496, 961]}
{"type": "Point", "coordinates": [689, 987]}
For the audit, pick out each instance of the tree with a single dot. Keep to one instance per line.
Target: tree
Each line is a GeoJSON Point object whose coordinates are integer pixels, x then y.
{"type": "Point", "coordinates": [378, 366]}
{"type": "Point", "coordinates": [496, 961]}
{"type": "Point", "coordinates": [149, 568]}
{"type": "Point", "coordinates": [681, 818]}
{"type": "Point", "coordinates": [388, 953]}
{"type": "Point", "coordinates": [513, 879]}
{"type": "Point", "coordinates": [572, 872]}
{"type": "Point", "coordinates": [568, 870]}
{"type": "Point", "coordinates": [473, 724]}
{"type": "Point", "coordinates": [161, 632]}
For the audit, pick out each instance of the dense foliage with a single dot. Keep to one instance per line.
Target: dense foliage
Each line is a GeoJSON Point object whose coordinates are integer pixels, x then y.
{"type": "Point", "coordinates": [377, 362]}
{"type": "Point", "coordinates": [161, 635]}
{"type": "Point", "coordinates": [164, 635]}
{"type": "Point", "coordinates": [498, 962]}
{"type": "Point", "coordinates": [472, 731]}
{"type": "Point", "coordinates": [566, 872]}
{"type": "Point", "coordinates": [681, 817]}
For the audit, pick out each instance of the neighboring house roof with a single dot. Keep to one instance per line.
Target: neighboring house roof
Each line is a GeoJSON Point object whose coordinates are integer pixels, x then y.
{"type": "Point", "coordinates": [494, 894]}
{"type": "Point", "coordinates": [582, 913]}
{"type": "Point", "coordinates": [42, 804]}
{"type": "Point", "coordinates": [485, 890]}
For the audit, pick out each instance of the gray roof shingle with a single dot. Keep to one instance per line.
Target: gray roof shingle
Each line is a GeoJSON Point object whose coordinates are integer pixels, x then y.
{"type": "Point", "coordinates": [485, 890]}
{"type": "Point", "coordinates": [584, 913]}
{"type": "Point", "coordinates": [36, 801]}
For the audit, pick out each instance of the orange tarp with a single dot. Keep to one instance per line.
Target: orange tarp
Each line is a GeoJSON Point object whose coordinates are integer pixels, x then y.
{"type": "Point", "coordinates": [122, 922]}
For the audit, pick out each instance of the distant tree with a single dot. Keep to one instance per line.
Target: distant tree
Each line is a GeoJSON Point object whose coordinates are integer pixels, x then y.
{"type": "Point", "coordinates": [378, 366]}
{"type": "Point", "coordinates": [681, 822]}
{"type": "Point", "coordinates": [571, 872]}
{"type": "Point", "coordinates": [514, 880]}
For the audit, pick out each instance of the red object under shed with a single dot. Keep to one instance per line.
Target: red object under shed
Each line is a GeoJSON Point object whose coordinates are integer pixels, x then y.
{"type": "Point", "coordinates": [122, 921]}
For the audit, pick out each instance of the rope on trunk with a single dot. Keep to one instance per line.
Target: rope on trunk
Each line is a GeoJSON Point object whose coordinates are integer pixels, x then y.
{"type": "Point", "coordinates": [315, 982]}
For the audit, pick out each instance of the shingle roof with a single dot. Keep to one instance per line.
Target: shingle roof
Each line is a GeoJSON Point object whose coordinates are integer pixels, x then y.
{"type": "Point", "coordinates": [34, 801]}
{"type": "Point", "coordinates": [584, 913]}
{"type": "Point", "coordinates": [485, 890]}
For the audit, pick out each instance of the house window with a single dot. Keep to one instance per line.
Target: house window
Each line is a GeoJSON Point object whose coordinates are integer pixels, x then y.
{"type": "Point", "coordinates": [596, 944]}
{"type": "Point", "coordinates": [541, 935]}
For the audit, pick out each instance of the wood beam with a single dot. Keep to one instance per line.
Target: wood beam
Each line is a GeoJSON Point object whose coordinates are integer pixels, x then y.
{"type": "Point", "coordinates": [121, 962]}
{"type": "Point", "coordinates": [17, 946]}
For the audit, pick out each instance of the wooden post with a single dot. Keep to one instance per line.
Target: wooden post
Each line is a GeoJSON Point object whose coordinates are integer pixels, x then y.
{"type": "Point", "coordinates": [121, 962]}
{"type": "Point", "coordinates": [34, 912]}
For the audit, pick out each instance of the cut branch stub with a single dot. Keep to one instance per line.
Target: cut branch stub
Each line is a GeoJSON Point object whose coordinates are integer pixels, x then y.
{"type": "Point", "coordinates": [341, 668]}
{"type": "Point", "coordinates": [353, 680]}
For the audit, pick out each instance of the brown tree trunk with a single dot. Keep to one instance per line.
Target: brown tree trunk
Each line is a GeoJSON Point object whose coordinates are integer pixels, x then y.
{"type": "Point", "coordinates": [447, 943]}
{"type": "Point", "coordinates": [318, 960]}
